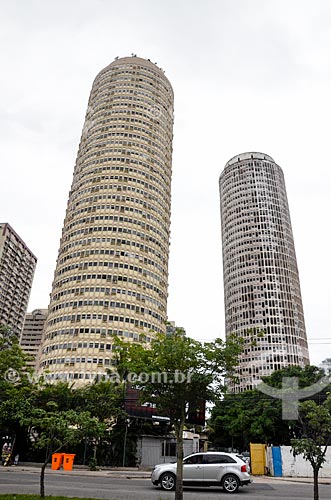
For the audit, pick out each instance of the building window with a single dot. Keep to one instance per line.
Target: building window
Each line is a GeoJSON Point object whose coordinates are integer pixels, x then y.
{"type": "Point", "coordinates": [169, 449]}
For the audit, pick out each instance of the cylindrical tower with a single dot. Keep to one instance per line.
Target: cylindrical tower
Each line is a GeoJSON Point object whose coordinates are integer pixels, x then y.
{"type": "Point", "coordinates": [261, 279]}
{"type": "Point", "coordinates": [111, 275]}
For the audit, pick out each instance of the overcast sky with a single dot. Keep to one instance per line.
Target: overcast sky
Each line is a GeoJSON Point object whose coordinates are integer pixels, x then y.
{"type": "Point", "coordinates": [248, 75]}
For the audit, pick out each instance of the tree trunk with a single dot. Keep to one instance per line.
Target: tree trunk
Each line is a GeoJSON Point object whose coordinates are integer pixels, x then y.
{"type": "Point", "coordinates": [316, 496]}
{"type": "Point", "coordinates": [42, 471]}
{"type": "Point", "coordinates": [179, 428]}
{"type": "Point", "coordinates": [42, 478]}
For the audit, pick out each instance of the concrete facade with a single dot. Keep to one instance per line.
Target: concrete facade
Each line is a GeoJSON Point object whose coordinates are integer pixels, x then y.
{"type": "Point", "coordinates": [111, 277]}
{"type": "Point", "coordinates": [261, 279]}
{"type": "Point", "coordinates": [31, 335]}
{"type": "Point", "coordinates": [17, 266]}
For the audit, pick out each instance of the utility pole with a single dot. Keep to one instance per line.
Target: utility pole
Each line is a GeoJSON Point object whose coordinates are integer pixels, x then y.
{"type": "Point", "coordinates": [127, 424]}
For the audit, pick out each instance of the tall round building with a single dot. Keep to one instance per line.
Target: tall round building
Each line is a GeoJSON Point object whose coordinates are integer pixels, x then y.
{"type": "Point", "coordinates": [111, 276]}
{"type": "Point", "coordinates": [261, 279]}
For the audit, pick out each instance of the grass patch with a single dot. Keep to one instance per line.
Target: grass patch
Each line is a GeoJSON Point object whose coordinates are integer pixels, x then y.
{"type": "Point", "coordinates": [13, 496]}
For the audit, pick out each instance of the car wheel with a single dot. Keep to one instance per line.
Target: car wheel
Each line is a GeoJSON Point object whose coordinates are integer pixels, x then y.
{"type": "Point", "coordinates": [168, 481]}
{"type": "Point", "coordinates": [230, 483]}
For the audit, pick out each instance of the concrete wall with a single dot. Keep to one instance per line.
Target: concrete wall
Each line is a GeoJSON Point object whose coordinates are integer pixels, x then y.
{"type": "Point", "coordinates": [297, 466]}
{"type": "Point", "coordinates": [270, 463]}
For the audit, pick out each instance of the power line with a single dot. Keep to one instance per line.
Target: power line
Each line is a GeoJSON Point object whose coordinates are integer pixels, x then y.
{"type": "Point", "coordinates": [319, 343]}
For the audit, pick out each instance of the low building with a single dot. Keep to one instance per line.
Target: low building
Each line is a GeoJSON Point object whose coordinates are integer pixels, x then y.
{"type": "Point", "coordinates": [152, 450]}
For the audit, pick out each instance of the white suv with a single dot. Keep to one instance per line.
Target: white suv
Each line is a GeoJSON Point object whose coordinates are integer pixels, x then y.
{"type": "Point", "coordinates": [205, 469]}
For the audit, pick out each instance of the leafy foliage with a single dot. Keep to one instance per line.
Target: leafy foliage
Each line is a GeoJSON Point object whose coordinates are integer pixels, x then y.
{"type": "Point", "coordinates": [13, 370]}
{"type": "Point", "coordinates": [104, 400]}
{"type": "Point", "coordinates": [16, 391]}
{"type": "Point", "coordinates": [239, 419]}
{"type": "Point", "coordinates": [247, 417]}
{"type": "Point", "coordinates": [177, 374]}
{"type": "Point", "coordinates": [306, 376]}
{"type": "Point", "coordinates": [315, 429]}
{"type": "Point", "coordinates": [53, 430]}
{"type": "Point", "coordinates": [192, 372]}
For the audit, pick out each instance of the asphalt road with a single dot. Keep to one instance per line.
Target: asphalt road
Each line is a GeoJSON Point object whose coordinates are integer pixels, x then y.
{"type": "Point", "coordinates": [14, 481]}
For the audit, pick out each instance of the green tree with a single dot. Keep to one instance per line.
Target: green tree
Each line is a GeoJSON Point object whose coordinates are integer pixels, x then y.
{"type": "Point", "coordinates": [16, 390]}
{"type": "Point", "coordinates": [54, 430]}
{"type": "Point", "coordinates": [315, 428]}
{"type": "Point", "coordinates": [306, 376]}
{"type": "Point", "coordinates": [65, 395]}
{"type": "Point", "coordinates": [177, 374]}
{"type": "Point", "coordinates": [13, 370]}
{"type": "Point", "coordinates": [251, 416]}
{"type": "Point", "coordinates": [104, 400]}
{"type": "Point", "coordinates": [242, 418]}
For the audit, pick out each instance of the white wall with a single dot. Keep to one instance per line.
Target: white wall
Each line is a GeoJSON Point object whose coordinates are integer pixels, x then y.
{"type": "Point", "coordinates": [298, 467]}
{"type": "Point", "coordinates": [270, 463]}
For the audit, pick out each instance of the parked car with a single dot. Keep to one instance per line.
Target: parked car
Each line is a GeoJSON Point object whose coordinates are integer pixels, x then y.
{"type": "Point", "coordinates": [227, 470]}
{"type": "Point", "coordinates": [247, 459]}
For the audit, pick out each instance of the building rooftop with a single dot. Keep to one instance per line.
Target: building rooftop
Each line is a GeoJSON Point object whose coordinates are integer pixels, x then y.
{"type": "Point", "coordinates": [249, 155]}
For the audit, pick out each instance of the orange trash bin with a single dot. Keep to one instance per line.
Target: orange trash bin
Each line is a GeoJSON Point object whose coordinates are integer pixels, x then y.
{"type": "Point", "coordinates": [68, 461]}
{"type": "Point", "coordinates": [57, 459]}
